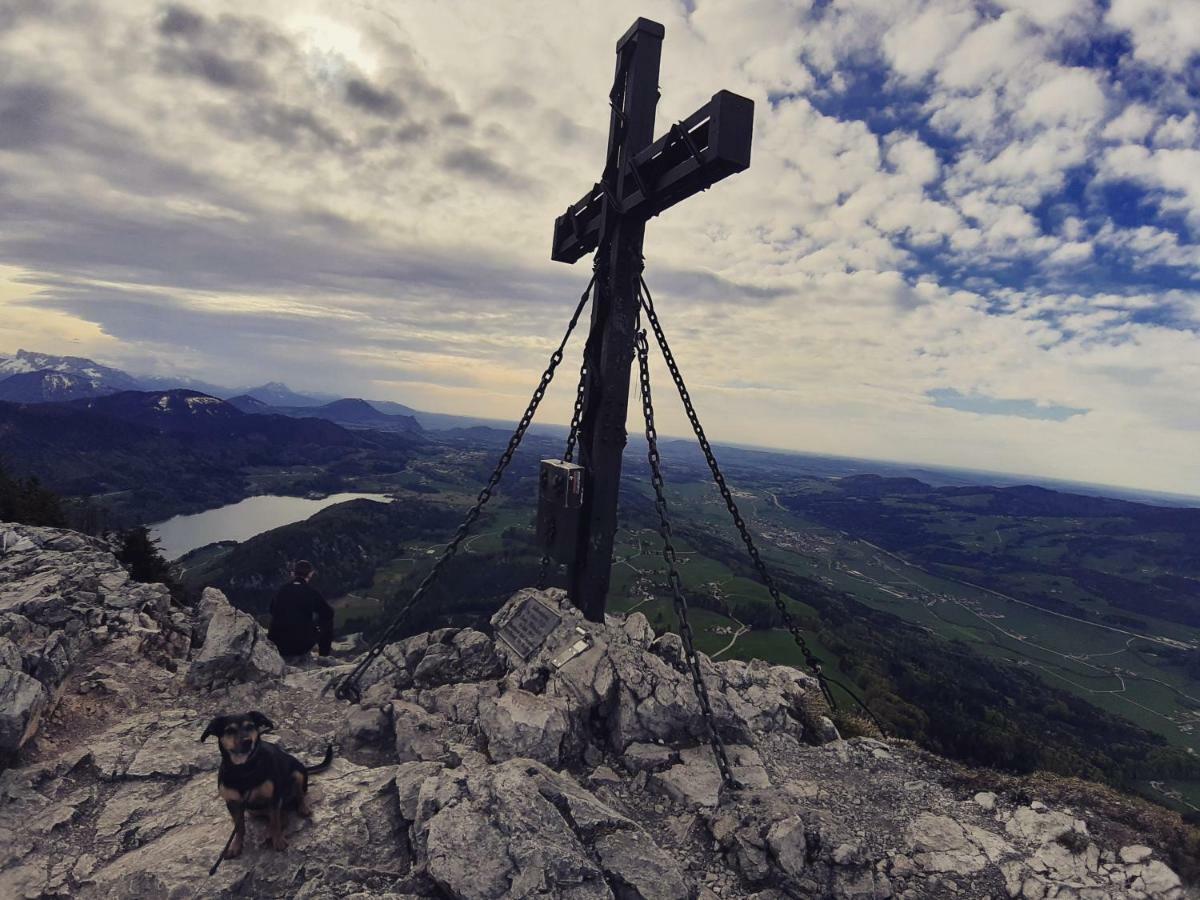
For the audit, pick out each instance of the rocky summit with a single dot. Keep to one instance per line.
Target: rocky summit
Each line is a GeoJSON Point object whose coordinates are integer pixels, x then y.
{"type": "Point", "coordinates": [468, 771]}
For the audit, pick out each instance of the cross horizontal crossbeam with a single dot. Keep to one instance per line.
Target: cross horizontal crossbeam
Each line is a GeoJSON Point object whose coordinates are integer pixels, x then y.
{"type": "Point", "coordinates": [710, 144]}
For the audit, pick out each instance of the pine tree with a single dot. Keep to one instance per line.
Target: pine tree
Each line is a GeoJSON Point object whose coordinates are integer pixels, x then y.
{"type": "Point", "coordinates": [140, 555]}
{"type": "Point", "coordinates": [25, 501]}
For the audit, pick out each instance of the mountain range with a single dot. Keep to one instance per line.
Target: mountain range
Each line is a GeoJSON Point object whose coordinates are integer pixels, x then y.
{"type": "Point", "coordinates": [32, 377]}
{"type": "Point", "coordinates": [143, 455]}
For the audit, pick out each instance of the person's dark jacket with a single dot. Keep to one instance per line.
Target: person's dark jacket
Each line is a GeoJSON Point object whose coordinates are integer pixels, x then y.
{"type": "Point", "coordinates": [300, 619]}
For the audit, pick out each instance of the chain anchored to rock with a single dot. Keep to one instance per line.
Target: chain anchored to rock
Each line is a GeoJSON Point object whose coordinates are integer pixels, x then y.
{"type": "Point", "coordinates": [810, 659]}
{"type": "Point", "coordinates": [348, 688]}
{"type": "Point", "coordinates": [671, 559]}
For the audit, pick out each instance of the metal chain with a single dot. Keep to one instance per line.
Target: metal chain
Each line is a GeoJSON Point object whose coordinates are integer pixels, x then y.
{"type": "Point", "coordinates": [809, 658]}
{"type": "Point", "coordinates": [580, 397]}
{"type": "Point", "coordinates": [569, 453]}
{"type": "Point", "coordinates": [347, 688]}
{"type": "Point", "coordinates": [572, 436]}
{"type": "Point", "coordinates": [669, 556]}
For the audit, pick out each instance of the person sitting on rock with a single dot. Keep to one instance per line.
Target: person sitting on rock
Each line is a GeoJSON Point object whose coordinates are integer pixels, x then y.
{"type": "Point", "coordinates": [300, 617]}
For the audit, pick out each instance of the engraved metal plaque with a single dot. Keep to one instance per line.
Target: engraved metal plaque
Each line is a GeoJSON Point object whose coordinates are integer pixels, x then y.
{"type": "Point", "coordinates": [529, 627]}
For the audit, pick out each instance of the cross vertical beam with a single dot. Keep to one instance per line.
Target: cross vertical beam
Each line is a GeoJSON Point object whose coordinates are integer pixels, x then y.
{"type": "Point", "coordinates": [602, 433]}
{"type": "Point", "coordinates": [642, 178]}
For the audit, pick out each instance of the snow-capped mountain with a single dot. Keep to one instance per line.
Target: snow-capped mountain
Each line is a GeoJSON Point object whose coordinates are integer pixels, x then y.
{"type": "Point", "coordinates": [83, 372]}
{"type": "Point", "coordinates": [49, 386]}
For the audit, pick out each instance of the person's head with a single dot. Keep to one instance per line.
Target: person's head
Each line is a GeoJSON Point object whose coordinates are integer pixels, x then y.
{"type": "Point", "coordinates": [304, 570]}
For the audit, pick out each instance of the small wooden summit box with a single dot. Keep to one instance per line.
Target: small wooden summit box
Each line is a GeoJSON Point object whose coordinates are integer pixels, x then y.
{"type": "Point", "coordinates": [560, 498]}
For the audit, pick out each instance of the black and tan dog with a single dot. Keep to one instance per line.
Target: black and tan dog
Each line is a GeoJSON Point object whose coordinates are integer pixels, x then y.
{"type": "Point", "coordinates": [259, 776]}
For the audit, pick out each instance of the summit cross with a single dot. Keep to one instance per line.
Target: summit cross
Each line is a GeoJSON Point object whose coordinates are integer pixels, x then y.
{"type": "Point", "coordinates": [642, 177]}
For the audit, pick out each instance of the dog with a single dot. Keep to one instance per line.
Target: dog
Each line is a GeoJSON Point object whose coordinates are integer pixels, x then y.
{"type": "Point", "coordinates": [257, 775]}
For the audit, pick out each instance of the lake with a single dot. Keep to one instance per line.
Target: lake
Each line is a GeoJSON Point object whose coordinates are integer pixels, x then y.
{"type": "Point", "coordinates": [242, 520]}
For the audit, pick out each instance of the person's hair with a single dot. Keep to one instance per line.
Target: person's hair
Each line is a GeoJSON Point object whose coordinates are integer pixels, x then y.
{"type": "Point", "coordinates": [303, 568]}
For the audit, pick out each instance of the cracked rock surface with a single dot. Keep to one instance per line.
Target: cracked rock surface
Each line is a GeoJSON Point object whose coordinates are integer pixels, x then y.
{"type": "Point", "coordinates": [471, 772]}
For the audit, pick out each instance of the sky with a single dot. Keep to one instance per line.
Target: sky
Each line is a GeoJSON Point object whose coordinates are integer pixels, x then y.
{"type": "Point", "coordinates": [969, 234]}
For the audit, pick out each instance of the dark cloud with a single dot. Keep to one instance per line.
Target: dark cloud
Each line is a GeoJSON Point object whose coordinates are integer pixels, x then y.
{"type": "Point", "coordinates": [306, 252]}
{"type": "Point", "coordinates": [707, 287]}
{"type": "Point", "coordinates": [213, 67]}
{"type": "Point", "coordinates": [292, 127]}
{"type": "Point", "coordinates": [362, 94]}
{"type": "Point", "coordinates": [13, 12]}
{"type": "Point", "coordinates": [26, 115]}
{"type": "Point", "coordinates": [232, 52]}
{"type": "Point", "coordinates": [413, 133]}
{"type": "Point", "coordinates": [475, 163]}
{"type": "Point", "coordinates": [178, 19]}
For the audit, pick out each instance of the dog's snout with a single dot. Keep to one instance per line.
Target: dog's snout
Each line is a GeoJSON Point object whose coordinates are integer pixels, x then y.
{"type": "Point", "coordinates": [247, 745]}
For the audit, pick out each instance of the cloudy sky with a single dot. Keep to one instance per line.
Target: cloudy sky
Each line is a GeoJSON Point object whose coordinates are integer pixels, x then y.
{"type": "Point", "coordinates": [970, 234]}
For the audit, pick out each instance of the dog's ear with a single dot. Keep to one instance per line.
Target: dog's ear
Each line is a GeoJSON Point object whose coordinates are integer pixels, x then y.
{"type": "Point", "coordinates": [264, 724]}
{"type": "Point", "coordinates": [215, 727]}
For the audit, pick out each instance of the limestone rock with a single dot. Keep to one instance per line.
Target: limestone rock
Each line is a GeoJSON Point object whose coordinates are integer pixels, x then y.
{"type": "Point", "coordinates": [648, 757]}
{"type": "Point", "coordinates": [637, 868]}
{"type": "Point", "coordinates": [22, 700]}
{"type": "Point", "coordinates": [432, 793]}
{"type": "Point", "coordinates": [520, 724]}
{"type": "Point", "coordinates": [940, 844]}
{"type": "Point", "coordinates": [419, 735]}
{"type": "Point", "coordinates": [235, 647]}
{"type": "Point", "coordinates": [501, 833]}
{"type": "Point", "coordinates": [10, 655]}
{"type": "Point", "coordinates": [1135, 854]}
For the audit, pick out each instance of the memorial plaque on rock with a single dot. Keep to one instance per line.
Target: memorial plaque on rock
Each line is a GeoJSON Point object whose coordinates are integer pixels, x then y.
{"type": "Point", "coordinates": [529, 627]}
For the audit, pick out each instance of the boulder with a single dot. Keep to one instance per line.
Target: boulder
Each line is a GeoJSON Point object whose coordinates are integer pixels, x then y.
{"type": "Point", "coordinates": [418, 734]}
{"type": "Point", "coordinates": [637, 868]}
{"type": "Point", "coordinates": [519, 829]}
{"type": "Point", "coordinates": [648, 757]}
{"type": "Point", "coordinates": [234, 646]}
{"type": "Point", "coordinates": [10, 656]}
{"type": "Point", "coordinates": [521, 724]}
{"type": "Point", "coordinates": [22, 700]}
{"type": "Point", "coordinates": [639, 687]}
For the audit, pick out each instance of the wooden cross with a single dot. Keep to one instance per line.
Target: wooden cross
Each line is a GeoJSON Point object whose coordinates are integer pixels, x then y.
{"type": "Point", "coordinates": [642, 178]}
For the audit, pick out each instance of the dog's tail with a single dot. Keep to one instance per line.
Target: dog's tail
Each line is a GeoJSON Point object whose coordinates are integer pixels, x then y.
{"type": "Point", "coordinates": [323, 764]}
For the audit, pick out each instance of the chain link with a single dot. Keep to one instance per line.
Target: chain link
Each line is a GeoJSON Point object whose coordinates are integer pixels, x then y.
{"type": "Point", "coordinates": [580, 400]}
{"type": "Point", "coordinates": [810, 659]}
{"type": "Point", "coordinates": [347, 688]}
{"type": "Point", "coordinates": [669, 556]}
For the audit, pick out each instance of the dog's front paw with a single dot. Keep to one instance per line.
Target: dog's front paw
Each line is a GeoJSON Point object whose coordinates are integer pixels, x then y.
{"type": "Point", "coordinates": [275, 843]}
{"type": "Point", "coordinates": [235, 849]}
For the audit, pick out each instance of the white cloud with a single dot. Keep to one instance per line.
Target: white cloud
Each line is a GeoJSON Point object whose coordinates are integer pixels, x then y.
{"type": "Point", "coordinates": [1073, 96]}
{"type": "Point", "coordinates": [989, 53]}
{"type": "Point", "coordinates": [1071, 253]}
{"type": "Point", "coordinates": [1165, 33]}
{"type": "Point", "coordinates": [1175, 172]}
{"type": "Point", "coordinates": [1133, 124]}
{"type": "Point", "coordinates": [916, 45]}
{"type": "Point", "coordinates": [230, 202]}
{"type": "Point", "coordinates": [1049, 12]}
{"type": "Point", "coordinates": [1178, 131]}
